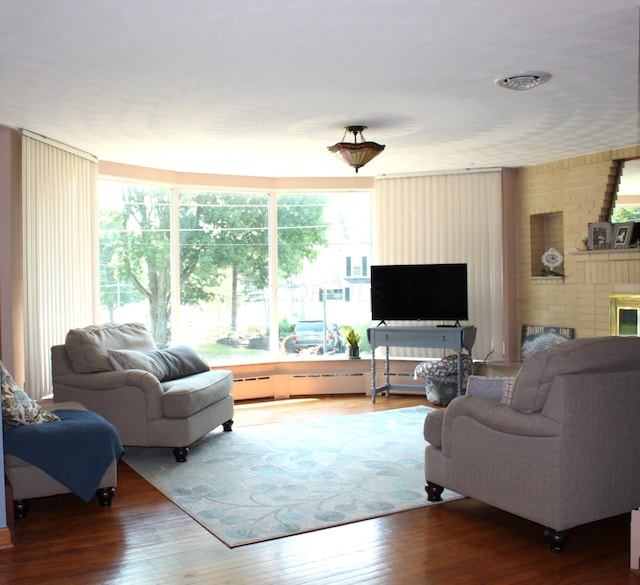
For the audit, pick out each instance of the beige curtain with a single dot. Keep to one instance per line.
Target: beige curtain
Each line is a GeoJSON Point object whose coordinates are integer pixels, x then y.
{"type": "Point", "coordinates": [448, 218]}
{"type": "Point", "coordinates": [59, 234]}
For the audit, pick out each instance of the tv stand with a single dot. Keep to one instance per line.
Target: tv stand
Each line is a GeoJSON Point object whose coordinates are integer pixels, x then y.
{"type": "Point", "coordinates": [456, 338]}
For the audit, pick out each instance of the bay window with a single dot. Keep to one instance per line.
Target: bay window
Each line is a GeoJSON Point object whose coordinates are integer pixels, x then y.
{"type": "Point", "coordinates": [231, 273]}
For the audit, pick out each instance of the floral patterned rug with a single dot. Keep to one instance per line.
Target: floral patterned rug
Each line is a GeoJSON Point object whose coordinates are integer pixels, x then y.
{"type": "Point", "coordinates": [264, 482]}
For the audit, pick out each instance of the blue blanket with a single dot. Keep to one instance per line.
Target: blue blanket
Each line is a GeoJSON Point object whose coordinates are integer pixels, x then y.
{"type": "Point", "coordinates": [76, 451]}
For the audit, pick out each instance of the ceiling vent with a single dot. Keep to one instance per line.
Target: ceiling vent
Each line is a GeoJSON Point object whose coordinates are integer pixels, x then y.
{"type": "Point", "coordinates": [524, 80]}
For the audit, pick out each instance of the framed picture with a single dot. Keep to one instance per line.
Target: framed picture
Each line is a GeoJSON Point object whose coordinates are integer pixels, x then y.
{"type": "Point", "coordinates": [539, 337]}
{"type": "Point", "coordinates": [622, 233]}
{"type": "Point", "coordinates": [599, 235]}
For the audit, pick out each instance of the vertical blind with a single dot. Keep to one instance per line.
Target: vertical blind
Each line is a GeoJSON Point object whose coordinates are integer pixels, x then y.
{"type": "Point", "coordinates": [449, 218]}
{"type": "Point", "coordinates": [59, 234]}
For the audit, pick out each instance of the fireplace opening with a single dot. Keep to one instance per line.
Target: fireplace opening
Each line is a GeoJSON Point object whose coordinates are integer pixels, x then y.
{"type": "Point", "coordinates": [625, 313]}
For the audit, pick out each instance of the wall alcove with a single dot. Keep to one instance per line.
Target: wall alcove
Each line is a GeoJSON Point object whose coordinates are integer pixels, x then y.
{"type": "Point", "coordinates": [547, 231]}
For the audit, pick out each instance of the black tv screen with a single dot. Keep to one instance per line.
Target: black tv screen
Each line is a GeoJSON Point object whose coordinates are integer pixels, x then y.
{"type": "Point", "coordinates": [427, 292]}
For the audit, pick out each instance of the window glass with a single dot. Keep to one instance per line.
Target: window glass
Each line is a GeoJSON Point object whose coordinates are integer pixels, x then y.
{"type": "Point", "coordinates": [324, 246]}
{"type": "Point", "coordinates": [224, 274]}
{"type": "Point", "coordinates": [135, 282]}
{"type": "Point", "coordinates": [224, 281]}
{"type": "Point", "coordinates": [627, 205]}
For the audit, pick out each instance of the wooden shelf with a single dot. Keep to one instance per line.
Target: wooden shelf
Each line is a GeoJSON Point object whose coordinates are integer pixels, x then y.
{"type": "Point", "coordinates": [604, 251]}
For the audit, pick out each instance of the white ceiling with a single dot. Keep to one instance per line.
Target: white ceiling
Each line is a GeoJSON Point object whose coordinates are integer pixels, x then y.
{"type": "Point", "coordinates": [257, 87]}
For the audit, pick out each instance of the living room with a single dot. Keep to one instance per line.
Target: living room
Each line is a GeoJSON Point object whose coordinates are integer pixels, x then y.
{"type": "Point", "coordinates": [542, 204]}
{"type": "Point", "coordinates": [516, 294]}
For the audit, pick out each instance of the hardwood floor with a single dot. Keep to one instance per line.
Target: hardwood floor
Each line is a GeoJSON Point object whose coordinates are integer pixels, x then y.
{"type": "Point", "coordinates": [144, 538]}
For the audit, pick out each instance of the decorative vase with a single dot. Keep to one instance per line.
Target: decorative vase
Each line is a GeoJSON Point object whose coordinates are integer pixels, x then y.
{"type": "Point", "coordinates": [354, 352]}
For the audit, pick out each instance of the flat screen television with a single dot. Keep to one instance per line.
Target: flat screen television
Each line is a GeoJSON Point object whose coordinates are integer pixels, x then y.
{"type": "Point", "coordinates": [420, 292]}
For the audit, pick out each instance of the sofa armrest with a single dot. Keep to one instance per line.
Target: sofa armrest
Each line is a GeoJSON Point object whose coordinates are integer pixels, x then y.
{"type": "Point", "coordinates": [101, 381]}
{"type": "Point", "coordinates": [496, 416]}
{"type": "Point", "coordinates": [124, 391]}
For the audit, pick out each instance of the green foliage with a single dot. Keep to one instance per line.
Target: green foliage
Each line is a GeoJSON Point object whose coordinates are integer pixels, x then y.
{"type": "Point", "coordinates": [624, 214]}
{"type": "Point", "coordinates": [301, 231]}
{"type": "Point", "coordinates": [222, 236]}
{"type": "Point", "coordinates": [138, 242]}
{"type": "Point", "coordinates": [285, 328]}
{"type": "Point", "coordinates": [351, 336]}
{"type": "Point", "coordinates": [113, 292]}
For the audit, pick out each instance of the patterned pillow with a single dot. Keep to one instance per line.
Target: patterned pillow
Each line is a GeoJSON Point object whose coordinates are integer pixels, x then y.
{"type": "Point", "coordinates": [447, 366]}
{"type": "Point", "coordinates": [17, 408]}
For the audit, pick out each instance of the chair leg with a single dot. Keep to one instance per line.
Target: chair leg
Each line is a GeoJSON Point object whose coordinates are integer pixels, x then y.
{"type": "Point", "coordinates": [226, 426]}
{"type": "Point", "coordinates": [20, 508]}
{"type": "Point", "coordinates": [434, 492]}
{"type": "Point", "coordinates": [556, 539]}
{"type": "Point", "coordinates": [181, 453]}
{"type": "Point", "coordinates": [105, 495]}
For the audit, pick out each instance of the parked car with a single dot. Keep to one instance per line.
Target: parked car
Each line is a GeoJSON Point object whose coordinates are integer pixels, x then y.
{"type": "Point", "coordinates": [308, 335]}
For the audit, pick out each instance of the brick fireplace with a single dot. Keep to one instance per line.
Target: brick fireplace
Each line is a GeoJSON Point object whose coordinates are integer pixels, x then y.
{"type": "Point", "coordinates": [555, 203]}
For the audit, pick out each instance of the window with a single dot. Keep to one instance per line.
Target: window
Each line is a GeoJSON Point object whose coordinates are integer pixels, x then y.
{"type": "Point", "coordinates": [135, 256]}
{"type": "Point", "coordinates": [357, 267]}
{"type": "Point", "coordinates": [232, 273]}
{"type": "Point", "coordinates": [224, 273]}
{"type": "Point", "coordinates": [317, 235]}
{"type": "Point", "coordinates": [627, 203]}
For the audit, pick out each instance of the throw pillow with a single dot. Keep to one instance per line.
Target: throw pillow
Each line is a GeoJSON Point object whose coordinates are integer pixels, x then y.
{"type": "Point", "coordinates": [165, 364]}
{"type": "Point", "coordinates": [17, 407]}
{"type": "Point", "coordinates": [182, 361]}
{"type": "Point", "coordinates": [507, 390]}
{"type": "Point", "coordinates": [486, 387]}
{"type": "Point", "coordinates": [131, 359]}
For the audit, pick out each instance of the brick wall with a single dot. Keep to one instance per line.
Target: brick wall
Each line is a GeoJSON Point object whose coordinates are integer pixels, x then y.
{"type": "Point", "coordinates": [555, 203]}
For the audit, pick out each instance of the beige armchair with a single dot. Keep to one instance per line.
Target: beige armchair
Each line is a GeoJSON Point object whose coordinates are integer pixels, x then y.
{"type": "Point", "coordinates": [177, 404]}
{"type": "Point", "coordinates": [562, 452]}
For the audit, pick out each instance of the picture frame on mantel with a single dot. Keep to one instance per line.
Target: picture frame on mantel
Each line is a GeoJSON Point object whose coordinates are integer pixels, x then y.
{"type": "Point", "coordinates": [599, 235]}
{"type": "Point", "coordinates": [622, 233]}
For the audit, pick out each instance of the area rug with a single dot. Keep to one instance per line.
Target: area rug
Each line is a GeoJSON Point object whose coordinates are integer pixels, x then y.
{"type": "Point", "coordinates": [263, 482]}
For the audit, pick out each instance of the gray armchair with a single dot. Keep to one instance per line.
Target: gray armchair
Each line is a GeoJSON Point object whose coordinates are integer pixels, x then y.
{"type": "Point", "coordinates": [155, 398]}
{"type": "Point", "coordinates": [562, 452]}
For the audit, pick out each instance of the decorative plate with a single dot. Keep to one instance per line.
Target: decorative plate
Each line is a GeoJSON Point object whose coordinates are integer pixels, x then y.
{"type": "Point", "coordinates": [552, 259]}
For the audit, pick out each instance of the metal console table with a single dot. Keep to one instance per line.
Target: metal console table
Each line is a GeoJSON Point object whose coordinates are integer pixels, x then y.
{"type": "Point", "coordinates": [455, 338]}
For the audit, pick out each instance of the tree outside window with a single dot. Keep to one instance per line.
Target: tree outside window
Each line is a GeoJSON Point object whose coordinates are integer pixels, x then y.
{"type": "Point", "coordinates": [220, 262]}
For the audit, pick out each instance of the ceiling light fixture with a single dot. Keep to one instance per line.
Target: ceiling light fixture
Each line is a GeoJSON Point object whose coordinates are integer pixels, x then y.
{"type": "Point", "coordinates": [524, 80]}
{"type": "Point", "coordinates": [356, 154]}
